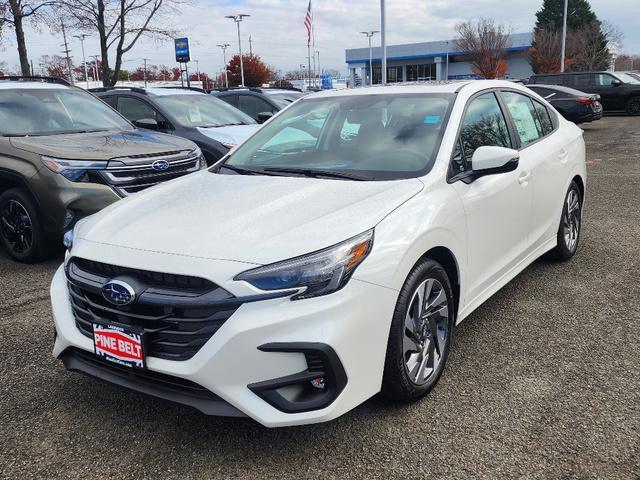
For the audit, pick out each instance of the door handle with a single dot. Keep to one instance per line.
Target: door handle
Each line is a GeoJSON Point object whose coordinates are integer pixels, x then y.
{"type": "Point", "coordinates": [524, 177]}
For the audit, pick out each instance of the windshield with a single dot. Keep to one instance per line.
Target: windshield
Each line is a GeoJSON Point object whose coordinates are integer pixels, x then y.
{"type": "Point", "coordinates": [51, 111]}
{"type": "Point", "coordinates": [626, 78]}
{"type": "Point", "coordinates": [285, 98]}
{"type": "Point", "coordinates": [372, 137]}
{"type": "Point", "coordinates": [202, 111]}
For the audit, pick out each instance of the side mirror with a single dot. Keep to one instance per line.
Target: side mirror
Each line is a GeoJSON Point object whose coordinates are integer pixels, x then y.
{"type": "Point", "coordinates": [616, 82]}
{"type": "Point", "coordinates": [146, 123]}
{"type": "Point", "coordinates": [264, 116]}
{"type": "Point", "coordinates": [493, 160]}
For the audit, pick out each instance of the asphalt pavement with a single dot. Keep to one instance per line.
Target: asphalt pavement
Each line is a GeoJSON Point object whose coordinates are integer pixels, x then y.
{"type": "Point", "coordinates": [543, 380]}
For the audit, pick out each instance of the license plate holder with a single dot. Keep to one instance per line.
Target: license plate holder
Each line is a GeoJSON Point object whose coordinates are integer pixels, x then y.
{"type": "Point", "coordinates": [120, 345]}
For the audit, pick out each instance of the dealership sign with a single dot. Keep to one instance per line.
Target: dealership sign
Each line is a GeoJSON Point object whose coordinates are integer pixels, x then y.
{"type": "Point", "coordinates": [182, 50]}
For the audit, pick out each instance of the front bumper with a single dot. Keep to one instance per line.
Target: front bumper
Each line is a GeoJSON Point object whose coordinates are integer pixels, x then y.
{"type": "Point", "coordinates": [234, 364]}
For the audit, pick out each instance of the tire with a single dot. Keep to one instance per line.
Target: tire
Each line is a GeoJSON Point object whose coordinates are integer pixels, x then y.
{"type": "Point", "coordinates": [633, 106]}
{"type": "Point", "coordinates": [570, 225]}
{"type": "Point", "coordinates": [409, 376]}
{"type": "Point", "coordinates": [20, 228]}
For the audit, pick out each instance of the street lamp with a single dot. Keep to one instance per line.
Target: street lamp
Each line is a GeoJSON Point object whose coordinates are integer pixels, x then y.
{"type": "Point", "coordinates": [224, 46]}
{"type": "Point", "coordinates": [383, 40]}
{"type": "Point", "coordinates": [370, 34]}
{"type": "Point", "coordinates": [86, 73]}
{"type": "Point", "coordinates": [564, 35]}
{"type": "Point", "coordinates": [238, 18]}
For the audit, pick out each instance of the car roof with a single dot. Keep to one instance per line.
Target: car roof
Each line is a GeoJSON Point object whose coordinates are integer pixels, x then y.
{"type": "Point", "coordinates": [151, 91]}
{"type": "Point", "coordinates": [421, 87]}
{"type": "Point", "coordinates": [13, 84]}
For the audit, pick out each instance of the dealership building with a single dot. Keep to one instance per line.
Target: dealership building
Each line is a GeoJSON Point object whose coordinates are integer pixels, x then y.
{"type": "Point", "coordinates": [431, 61]}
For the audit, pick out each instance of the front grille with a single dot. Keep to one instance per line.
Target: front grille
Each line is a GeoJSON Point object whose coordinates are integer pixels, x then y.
{"type": "Point", "coordinates": [177, 313]}
{"type": "Point", "coordinates": [132, 174]}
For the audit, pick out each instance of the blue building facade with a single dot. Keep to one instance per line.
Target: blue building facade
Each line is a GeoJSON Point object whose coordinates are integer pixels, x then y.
{"type": "Point", "coordinates": [431, 61]}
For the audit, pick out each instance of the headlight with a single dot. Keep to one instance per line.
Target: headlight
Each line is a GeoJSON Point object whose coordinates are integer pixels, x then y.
{"type": "Point", "coordinates": [73, 170]}
{"type": "Point", "coordinates": [202, 161]}
{"type": "Point", "coordinates": [67, 239]}
{"type": "Point", "coordinates": [318, 273]}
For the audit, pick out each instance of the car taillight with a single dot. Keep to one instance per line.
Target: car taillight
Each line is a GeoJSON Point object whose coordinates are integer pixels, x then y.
{"type": "Point", "coordinates": [584, 100]}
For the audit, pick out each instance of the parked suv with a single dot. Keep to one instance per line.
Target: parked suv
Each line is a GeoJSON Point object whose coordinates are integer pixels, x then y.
{"type": "Point", "coordinates": [64, 154]}
{"type": "Point", "coordinates": [191, 113]}
{"type": "Point", "coordinates": [259, 103]}
{"type": "Point", "coordinates": [618, 91]}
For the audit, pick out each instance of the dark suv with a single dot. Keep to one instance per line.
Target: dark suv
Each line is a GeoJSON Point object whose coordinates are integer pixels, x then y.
{"type": "Point", "coordinates": [191, 113]}
{"type": "Point", "coordinates": [64, 155]}
{"type": "Point", "coordinates": [259, 103]}
{"type": "Point", "coordinates": [618, 91]}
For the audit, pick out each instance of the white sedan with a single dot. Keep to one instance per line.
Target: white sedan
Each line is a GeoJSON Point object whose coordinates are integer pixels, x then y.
{"type": "Point", "coordinates": [327, 258]}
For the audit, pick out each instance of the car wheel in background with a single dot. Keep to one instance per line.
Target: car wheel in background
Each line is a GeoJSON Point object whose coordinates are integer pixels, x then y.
{"type": "Point", "coordinates": [420, 335]}
{"type": "Point", "coordinates": [570, 224]}
{"type": "Point", "coordinates": [20, 229]}
{"type": "Point", "coordinates": [633, 106]}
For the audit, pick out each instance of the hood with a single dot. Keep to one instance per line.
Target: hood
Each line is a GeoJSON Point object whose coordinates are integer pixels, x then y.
{"type": "Point", "coordinates": [230, 135]}
{"type": "Point", "coordinates": [102, 145]}
{"type": "Point", "coordinates": [255, 219]}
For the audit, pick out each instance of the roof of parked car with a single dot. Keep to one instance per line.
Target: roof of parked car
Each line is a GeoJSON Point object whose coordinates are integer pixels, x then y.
{"type": "Point", "coordinates": [558, 88]}
{"type": "Point", "coordinates": [12, 82]}
{"type": "Point", "coordinates": [156, 91]}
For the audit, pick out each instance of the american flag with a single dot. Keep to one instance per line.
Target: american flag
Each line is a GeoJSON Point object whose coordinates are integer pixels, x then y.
{"type": "Point", "coordinates": [308, 22]}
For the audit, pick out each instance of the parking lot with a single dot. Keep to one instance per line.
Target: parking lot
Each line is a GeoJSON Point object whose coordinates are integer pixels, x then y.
{"type": "Point", "coordinates": [543, 380]}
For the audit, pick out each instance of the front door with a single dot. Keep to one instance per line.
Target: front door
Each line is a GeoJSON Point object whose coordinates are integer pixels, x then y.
{"type": "Point", "coordinates": [497, 207]}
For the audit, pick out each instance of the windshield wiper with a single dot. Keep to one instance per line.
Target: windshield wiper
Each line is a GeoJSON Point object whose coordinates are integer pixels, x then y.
{"type": "Point", "coordinates": [245, 171]}
{"type": "Point", "coordinates": [317, 173]}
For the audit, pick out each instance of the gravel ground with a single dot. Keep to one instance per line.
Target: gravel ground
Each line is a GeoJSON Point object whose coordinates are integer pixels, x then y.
{"type": "Point", "coordinates": [543, 380]}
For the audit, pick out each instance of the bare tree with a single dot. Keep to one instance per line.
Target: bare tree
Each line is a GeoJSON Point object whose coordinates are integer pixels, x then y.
{"type": "Point", "coordinates": [544, 56]}
{"type": "Point", "coordinates": [484, 43]}
{"type": "Point", "coordinates": [587, 49]}
{"type": "Point", "coordinates": [120, 24]}
{"type": "Point", "coordinates": [15, 13]}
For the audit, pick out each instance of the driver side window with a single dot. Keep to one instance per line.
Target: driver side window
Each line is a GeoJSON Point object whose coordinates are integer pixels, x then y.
{"type": "Point", "coordinates": [483, 125]}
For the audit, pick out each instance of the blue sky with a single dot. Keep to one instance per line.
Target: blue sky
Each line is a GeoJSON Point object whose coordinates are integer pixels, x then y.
{"type": "Point", "coordinates": [278, 35]}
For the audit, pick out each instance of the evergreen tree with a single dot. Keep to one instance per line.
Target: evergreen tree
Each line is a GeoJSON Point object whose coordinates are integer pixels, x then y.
{"type": "Point", "coordinates": [587, 42]}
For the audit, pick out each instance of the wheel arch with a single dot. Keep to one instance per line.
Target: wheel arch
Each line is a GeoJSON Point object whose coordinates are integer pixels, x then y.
{"type": "Point", "coordinates": [580, 182]}
{"type": "Point", "coordinates": [447, 259]}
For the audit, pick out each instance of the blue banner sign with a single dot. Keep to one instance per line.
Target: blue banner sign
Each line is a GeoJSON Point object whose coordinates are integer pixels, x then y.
{"type": "Point", "coordinates": [182, 50]}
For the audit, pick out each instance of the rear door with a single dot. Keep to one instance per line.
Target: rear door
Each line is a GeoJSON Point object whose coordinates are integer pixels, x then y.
{"type": "Point", "coordinates": [543, 154]}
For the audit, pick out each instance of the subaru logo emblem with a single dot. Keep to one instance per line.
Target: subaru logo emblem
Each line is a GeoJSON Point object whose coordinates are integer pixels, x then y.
{"type": "Point", "coordinates": [118, 293]}
{"type": "Point", "coordinates": [160, 165]}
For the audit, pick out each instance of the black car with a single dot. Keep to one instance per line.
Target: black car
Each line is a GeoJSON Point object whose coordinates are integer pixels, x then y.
{"type": "Point", "coordinates": [212, 124]}
{"type": "Point", "coordinates": [574, 105]}
{"type": "Point", "coordinates": [618, 91]}
{"type": "Point", "coordinates": [259, 103]}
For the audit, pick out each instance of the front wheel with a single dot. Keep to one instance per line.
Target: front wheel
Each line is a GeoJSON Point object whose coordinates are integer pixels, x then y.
{"type": "Point", "coordinates": [570, 225]}
{"type": "Point", "coordinates": [420, 335]}
{"type": "Point", "coordinates": [20, 229]}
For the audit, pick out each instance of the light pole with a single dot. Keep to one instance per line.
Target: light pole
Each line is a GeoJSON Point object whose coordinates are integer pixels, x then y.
{"type": "Point", "coordinates": [317, 53]}
{"type": "Point", "coordinates": [564, 35]}
{"type": "Point", "coordinates": [224, 46]}
{"type": "Point", "coordinates": [238, 18]}
{"type": "Point", "coordinates": [84, 62]}
{"type": "Point", "coordinates": [370, 34]}
{"type": "Point", "coordinates": [95, 66]}
{"type": "Point", "coordinates": [383, 41]}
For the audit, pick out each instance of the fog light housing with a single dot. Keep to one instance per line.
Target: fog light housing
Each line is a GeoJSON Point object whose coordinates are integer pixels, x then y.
{"type": "Point", "coordinates": [312, 389]}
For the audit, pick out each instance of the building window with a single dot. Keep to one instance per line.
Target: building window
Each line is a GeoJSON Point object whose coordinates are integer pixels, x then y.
{"type": "Point", "coordinates": [424, 72]}
{"type": "Point", "coordinates": [394, 74]}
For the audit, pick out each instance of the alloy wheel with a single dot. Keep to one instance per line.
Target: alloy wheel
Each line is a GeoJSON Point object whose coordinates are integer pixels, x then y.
{"type": "Point", "coordinates": [16, 226]}
{"type": "Point", "coordinates": [634, 106]}
{"type": "Point", "coordinates": [425, 331]}
{"type": "Point", "coordinates": [571, 220]}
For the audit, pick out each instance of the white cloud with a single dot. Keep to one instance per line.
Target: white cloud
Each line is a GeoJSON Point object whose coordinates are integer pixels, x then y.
{"type": "Point", "coordinates": [278, 35]}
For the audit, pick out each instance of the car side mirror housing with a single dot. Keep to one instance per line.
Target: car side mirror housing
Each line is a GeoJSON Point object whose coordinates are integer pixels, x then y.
{"type": "Point", "coordinates": [494, 160]}
{"type": "Point", "coordinates": [147, 123]}
{"type": "Point", "coordinates": [616, 83]}
{"type": "Point", "coordinates": [264, 116]}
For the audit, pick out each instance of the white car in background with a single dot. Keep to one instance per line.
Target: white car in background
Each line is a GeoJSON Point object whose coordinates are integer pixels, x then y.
{"type": "Point", "coordinates": [327, 258]}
